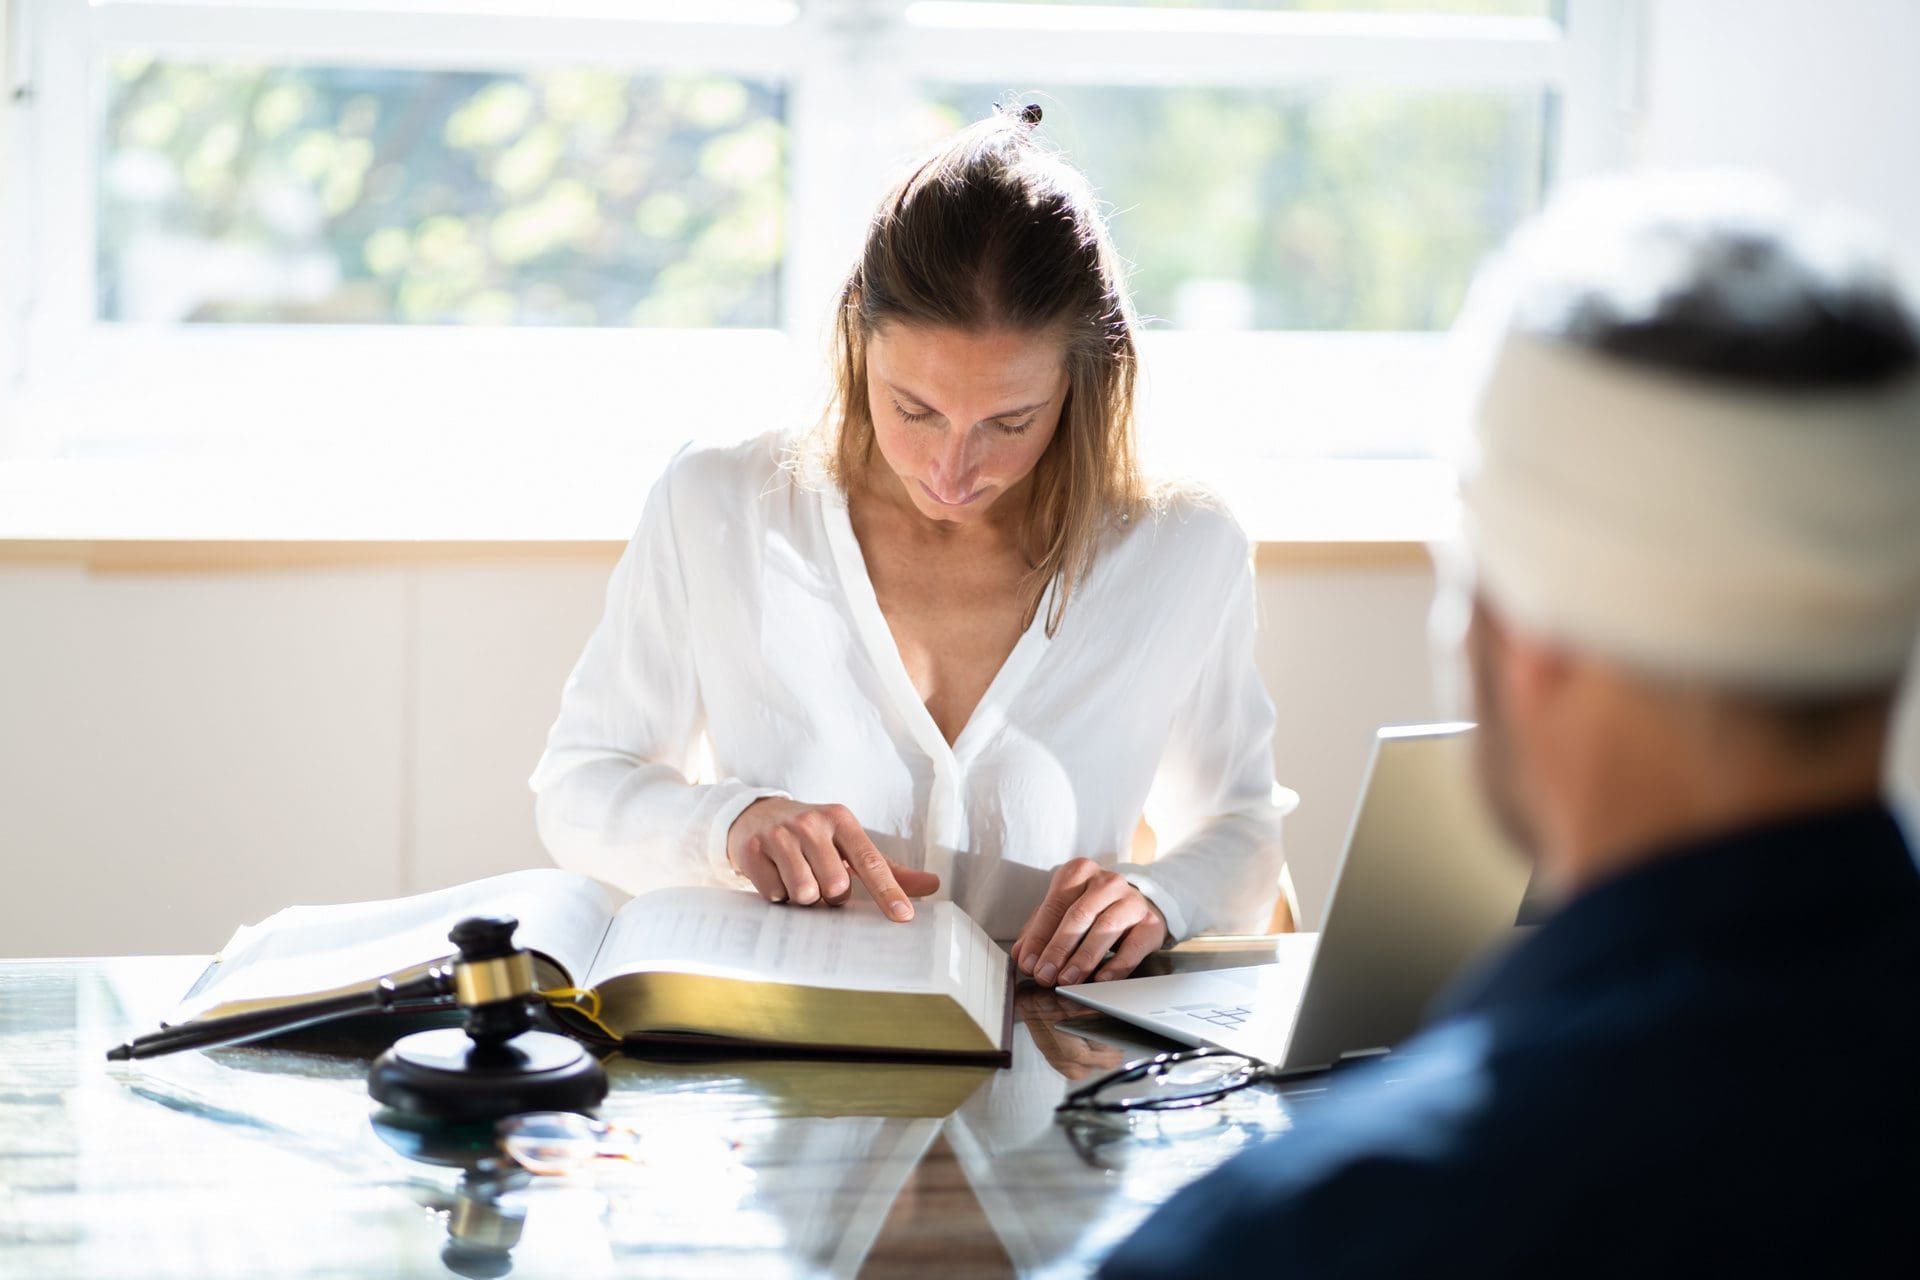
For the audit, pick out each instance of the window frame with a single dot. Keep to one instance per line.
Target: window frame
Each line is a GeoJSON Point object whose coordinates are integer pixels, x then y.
{"type": "Point", "coordinates": [839, 60]}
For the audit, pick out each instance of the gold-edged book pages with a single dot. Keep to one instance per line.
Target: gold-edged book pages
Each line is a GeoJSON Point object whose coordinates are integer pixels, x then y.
{"type": "Point", "coordinates": [702, 967]}
{"type": "Point", "coordinates": [694, 967]}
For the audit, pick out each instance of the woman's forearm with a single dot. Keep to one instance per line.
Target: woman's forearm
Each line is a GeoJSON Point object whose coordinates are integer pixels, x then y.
{"type": "Point", "coordinates": [1223, 876]}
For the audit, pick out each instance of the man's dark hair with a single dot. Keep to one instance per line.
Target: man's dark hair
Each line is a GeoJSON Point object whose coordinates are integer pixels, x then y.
{"type": "Point", "coordinates": [1773, 300]}
{"type": "Point", "coordinates": [1749, 293]}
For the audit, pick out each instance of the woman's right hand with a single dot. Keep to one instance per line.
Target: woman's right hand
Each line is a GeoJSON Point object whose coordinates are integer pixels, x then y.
{"type": "Point", "coordinates": [812, 853]}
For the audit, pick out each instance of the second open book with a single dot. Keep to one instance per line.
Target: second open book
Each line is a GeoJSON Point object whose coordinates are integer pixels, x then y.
{"type": "Point", "coordinates": [705, 967]}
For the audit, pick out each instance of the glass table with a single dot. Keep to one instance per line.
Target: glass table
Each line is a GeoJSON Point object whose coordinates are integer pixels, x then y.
{"type": "Point", "coordinates": [270, 1159]}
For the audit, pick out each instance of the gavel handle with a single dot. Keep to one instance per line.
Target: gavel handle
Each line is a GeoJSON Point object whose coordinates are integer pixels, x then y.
{"type": "Point", "coordinates": [431, 990]}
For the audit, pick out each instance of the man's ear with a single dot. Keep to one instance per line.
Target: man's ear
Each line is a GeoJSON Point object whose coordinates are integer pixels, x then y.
{"type": "Point", "coordinates": [1537, 673]}
{"type": "Point", "coordinates": [1527, 671]}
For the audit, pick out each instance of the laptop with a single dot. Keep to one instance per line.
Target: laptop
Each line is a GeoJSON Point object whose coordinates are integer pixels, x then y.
{"type": "Point", "coordinates": [1427, 882]}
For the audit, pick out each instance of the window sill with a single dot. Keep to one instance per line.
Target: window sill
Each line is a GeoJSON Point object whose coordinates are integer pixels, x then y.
{"type": "Point", "coordinates": [131, 513]}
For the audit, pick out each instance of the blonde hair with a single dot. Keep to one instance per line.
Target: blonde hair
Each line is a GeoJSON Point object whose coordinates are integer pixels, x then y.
{"type": "Point", "coordinates": [995, 231]}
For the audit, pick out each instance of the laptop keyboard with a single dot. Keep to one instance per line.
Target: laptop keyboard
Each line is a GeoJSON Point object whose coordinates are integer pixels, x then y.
{"type": "Point", "coordinates": [1217, 1015]}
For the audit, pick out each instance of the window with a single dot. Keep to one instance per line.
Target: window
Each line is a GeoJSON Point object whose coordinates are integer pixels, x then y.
{"type": "Point", "coordinates": [250, 193]}
{"type": "Point", "coordinates": [1311, 209]}
{"type": "Point", "coordinates": [583, 231]}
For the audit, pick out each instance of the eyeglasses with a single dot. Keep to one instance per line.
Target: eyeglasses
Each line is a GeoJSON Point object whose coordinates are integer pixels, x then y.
{"type": "Point", "coordinates": [1173, 1144]}
{"type": "Point", "coordinates": [1168, 1082]}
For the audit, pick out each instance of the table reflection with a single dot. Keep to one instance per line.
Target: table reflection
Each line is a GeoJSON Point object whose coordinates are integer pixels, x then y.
{"type": "Point", "coordinates": [267, 1160]}
{"type": "Point", "coordinates": [1058, 1194]}
{"type": "Point", "coordinates": [484, 1215]}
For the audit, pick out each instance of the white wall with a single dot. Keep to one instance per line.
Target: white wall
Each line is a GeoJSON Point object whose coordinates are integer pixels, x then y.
{"type": "Point", "coordinates": [1826, 95]}
{"type": "Point", "coordinates": [1343, 651]}
{"type": "Point", "coordinates": [184, 751]}
{"type": "Point", "coordinates": [178, 751]}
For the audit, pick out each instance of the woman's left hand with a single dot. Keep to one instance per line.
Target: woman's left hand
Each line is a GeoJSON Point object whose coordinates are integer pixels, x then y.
{"type": "Point", "coordinates": [1088, 911]}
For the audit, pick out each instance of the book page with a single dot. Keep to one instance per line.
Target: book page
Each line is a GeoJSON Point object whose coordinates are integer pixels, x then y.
{"type": "Point", "coordinates": [978, 969]}
{"type": "Point", "coordinates": [305, 950]}
{"type": "Point", "coordinates": [731, 933]}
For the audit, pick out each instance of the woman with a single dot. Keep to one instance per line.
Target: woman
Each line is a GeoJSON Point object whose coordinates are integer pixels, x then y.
{"type": "Point", "coordinates": [949, 640]}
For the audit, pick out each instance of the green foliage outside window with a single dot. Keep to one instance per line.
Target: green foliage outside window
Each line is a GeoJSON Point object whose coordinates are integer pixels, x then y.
{"type": "Point", "coordinates": [376, 195]}
{"type": "Point", "coordinates": [581, 196]}
{"type": "Point", "coordinates": [1300, 209]}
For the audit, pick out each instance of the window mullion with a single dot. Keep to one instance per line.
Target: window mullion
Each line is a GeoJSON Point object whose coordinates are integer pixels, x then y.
{"type": "Point", "coordinates": [16, 232]}
{"type": "Point", "coordinates": [1599, 107]}
{"type": "Point", "coordinates": [58, 121]}
{"type": "Point", "coordinates": [849, 131]}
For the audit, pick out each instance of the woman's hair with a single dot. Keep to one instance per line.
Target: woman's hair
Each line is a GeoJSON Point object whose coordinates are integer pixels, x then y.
{"type": "Point", "coordinates": [995, 231]}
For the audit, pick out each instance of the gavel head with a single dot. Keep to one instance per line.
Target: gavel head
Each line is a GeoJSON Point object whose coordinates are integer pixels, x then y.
{"type": "Point", "coordinates": [499, 1064]}
{"type": "Point", "coordinates": [492, 979]}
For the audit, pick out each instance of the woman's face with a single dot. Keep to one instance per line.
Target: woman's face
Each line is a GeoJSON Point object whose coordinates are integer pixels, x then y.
{"type": "Point", "coordinates": [961, 418]}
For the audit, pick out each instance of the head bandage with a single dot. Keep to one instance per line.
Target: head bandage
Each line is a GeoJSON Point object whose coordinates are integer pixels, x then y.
{"type": "Point", "coordinates": [1763, 540]}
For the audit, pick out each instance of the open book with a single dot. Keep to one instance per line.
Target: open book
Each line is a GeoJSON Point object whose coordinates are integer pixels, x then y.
{"type": "Point", "coordinates": [699, 967]}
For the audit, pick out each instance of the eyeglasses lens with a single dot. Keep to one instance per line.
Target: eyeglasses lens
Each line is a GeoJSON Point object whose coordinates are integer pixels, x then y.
{"type": "Point", "coordinates": [1178, 1081]}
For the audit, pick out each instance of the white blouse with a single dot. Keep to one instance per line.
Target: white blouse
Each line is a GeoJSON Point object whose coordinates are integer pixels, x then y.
{"type": "Point", "coordinates": [742, 642]}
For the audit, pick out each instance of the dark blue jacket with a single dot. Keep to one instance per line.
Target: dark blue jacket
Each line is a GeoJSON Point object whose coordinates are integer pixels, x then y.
{"type": "Point", "coordinates": [1709, 1065]}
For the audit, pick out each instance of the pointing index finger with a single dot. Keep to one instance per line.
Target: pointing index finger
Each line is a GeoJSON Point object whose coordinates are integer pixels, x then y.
{"type": "Point", "coordinates": [875, 872]}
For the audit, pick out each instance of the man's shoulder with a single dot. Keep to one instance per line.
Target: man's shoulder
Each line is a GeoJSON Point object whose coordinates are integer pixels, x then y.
{"type": "Point", "coordinates": [1505, 1142]}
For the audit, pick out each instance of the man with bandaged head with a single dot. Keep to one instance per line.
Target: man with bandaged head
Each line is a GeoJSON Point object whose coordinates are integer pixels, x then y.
{"type": "Point", "coordinates": [1692, 573]}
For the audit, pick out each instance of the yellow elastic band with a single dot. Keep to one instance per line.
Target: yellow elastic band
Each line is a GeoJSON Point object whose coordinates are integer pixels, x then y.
{"type": "Point", "coordinates": [586, 1003]}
